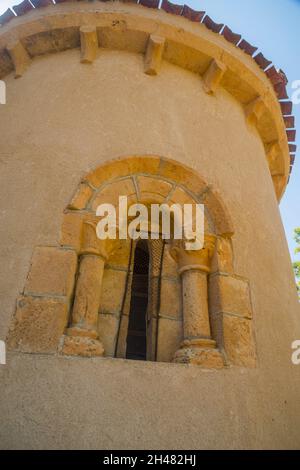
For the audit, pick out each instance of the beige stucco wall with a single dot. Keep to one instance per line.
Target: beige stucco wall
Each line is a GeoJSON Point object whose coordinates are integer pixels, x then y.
{"type": "Point", "coordinates": [62, 119]}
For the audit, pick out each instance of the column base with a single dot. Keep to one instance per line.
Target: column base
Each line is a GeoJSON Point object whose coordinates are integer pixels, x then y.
{"type": "Point", "coordinates": [200, 352]}
{"type": "Point", "coordinates": [77, 331]}
{"type": "Point", "coordinates": [81, 342]}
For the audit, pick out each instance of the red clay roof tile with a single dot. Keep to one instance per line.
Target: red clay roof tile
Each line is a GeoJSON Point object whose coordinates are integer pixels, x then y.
{"type": "Point", "coordinates": [62, 1]}
{"type": "Point", "coordinates": [274, 75]}
{"type": "Point", "coordinates": [262, 61]}
{"type": "Point", "coordinates": [230, 36]}
{"type": "Point", "coordinates": [283, 76]}
{"type": "Point", "coordinates": [6, 16]}
{"type": "Point", "coordinates": [210, 24]}
{"type": "Point", "coordinates": [149, 3]}
{"type": "Point", "coordinates": [291, 135]}
{"type": "Point", "coordinates": [281, 92]}
{"type": "Point", "coordinates": [22, 8]}
{"type": "Point", "coordinates": [170, 7]}
{"type": "Point", "coordinates": [286, 108]}
{"type": "Point", "coordinates": [247, 47]}
{"type": "Point", "coordinates": [289, 122]}
{"type": "Point", "coordinates": [191, 14]}
{"type": "Point", "coordinates": [41, 3]}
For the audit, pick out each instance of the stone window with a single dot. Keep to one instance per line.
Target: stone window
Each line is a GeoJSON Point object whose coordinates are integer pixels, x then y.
{"type": "Point", "coordinates": [136, 341]}
{"type": "Point", "coordinates": [138, 300]}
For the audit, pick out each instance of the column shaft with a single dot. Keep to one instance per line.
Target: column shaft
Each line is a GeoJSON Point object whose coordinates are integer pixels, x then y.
{"type": "Point", "coordinates": [198, 347]}
{"type": "Point", "coordinates": [195, 305]}
{"type": "Point", "coordinates": [88, 292]}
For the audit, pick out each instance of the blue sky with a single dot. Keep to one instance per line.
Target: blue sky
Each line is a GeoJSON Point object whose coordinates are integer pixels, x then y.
{"type": "Point", "coordinates": [273, 26]}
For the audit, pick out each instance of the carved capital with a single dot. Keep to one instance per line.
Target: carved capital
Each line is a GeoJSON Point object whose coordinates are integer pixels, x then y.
{"type": "Point", "coordinates": [199, 260]}
{"type": "Point", "coordinates": [92, 245]}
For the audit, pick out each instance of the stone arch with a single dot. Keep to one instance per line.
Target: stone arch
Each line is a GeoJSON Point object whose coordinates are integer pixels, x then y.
{"type": "Point", "coordinates": [75, 294]}
{"type": "Point", "coordinates": [144, 178]}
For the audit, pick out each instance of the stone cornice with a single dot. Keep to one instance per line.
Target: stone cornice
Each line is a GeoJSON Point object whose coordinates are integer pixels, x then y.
{"type": "Point", "coordinates": [206, 48]}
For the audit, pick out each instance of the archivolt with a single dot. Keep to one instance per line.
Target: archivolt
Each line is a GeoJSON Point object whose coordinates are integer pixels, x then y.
{"type": "Point", "coordinates": [151, 179]}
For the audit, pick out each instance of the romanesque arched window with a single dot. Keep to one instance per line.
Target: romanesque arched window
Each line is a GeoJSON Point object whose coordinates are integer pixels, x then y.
{"type": "Point", "coordinates": [149, 300]}
{"type": "Point", "coordinates": [136, 340]}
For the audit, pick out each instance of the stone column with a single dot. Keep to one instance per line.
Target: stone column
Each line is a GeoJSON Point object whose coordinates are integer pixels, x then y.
{"type": "Point", "coordinates": [82, 336]}
{"type": "Point", "coordinates": [197, 347]}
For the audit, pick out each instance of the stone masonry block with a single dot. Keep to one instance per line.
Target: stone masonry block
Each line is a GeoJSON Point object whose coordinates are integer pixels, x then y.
{"type": "Point", "coordinates": [123, 167]}
{"type": "Point", "coordinates": [113, 286]}
{"type": "Point", "coordinates": [150, 187]}
{"type": "Point", "coordinates": [122, 345]}
{"type": "Point", "coordinates": [170, 299]}
{"type": "Point", "coordinates": [120, 256]}
{"type": "Point", "coordinates": [170, 267]}
{"type": "Point", "coordinates": [38, 325]}
{"type": "Point", "coordinates": [179, 196]}
{"type": "Point", "coordinates": [223, 258]}
{"type": "Point", "coordinates": [182, 175]}
{"type": "Point", "coordinates": [81, 197]}
{"type": "Point", "coordinates": [218, 212]}
{"type": "Point", "coordinates": [108, 328]}
{"type": "Point", "coordinates": [239, 341]}
{"type": "Point", "coordinates": [229, 294]}
{"type": "Point", "coordinates": [71, 231]}
{"type": "Point", "coordinates": [169, 339]}
{"type": "Point", "coordinates": [111, 192]}
{"type": "Point", "coordinates": [52, 272]}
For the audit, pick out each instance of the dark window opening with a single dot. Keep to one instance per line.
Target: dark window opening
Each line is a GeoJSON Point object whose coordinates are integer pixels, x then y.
{"type": "Point", "coordinates": [137, 333]}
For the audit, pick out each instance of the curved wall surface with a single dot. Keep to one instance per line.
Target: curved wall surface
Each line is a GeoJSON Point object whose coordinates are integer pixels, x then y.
{"type": "Point", "coordinates": [63, 119]}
